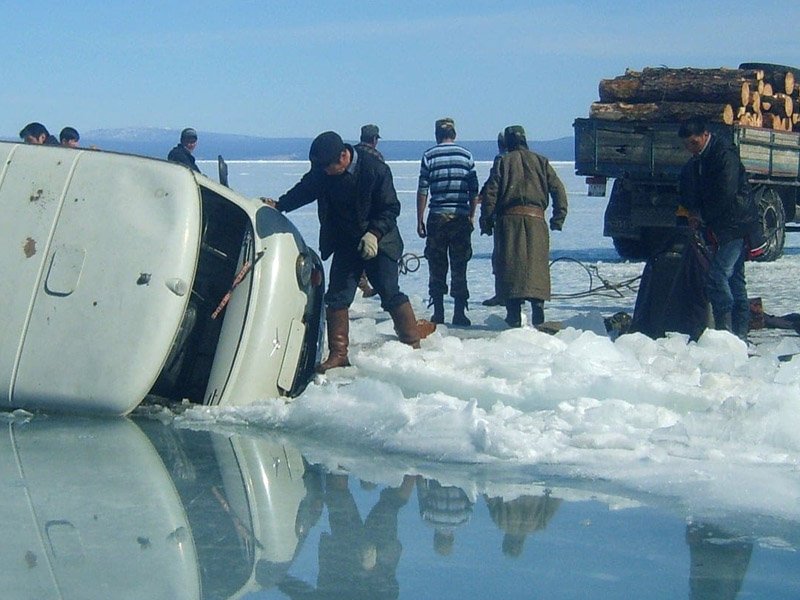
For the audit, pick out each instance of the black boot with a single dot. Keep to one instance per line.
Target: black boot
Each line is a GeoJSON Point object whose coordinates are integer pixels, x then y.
{"type": "Point", "coordinates": [514, 312]}
{"type": "Point", "coordinates": [537, 311]}
{"type": "Point", "coordinates": [459, 318]}
{"type": "Point", "coordinates": [438, 309]}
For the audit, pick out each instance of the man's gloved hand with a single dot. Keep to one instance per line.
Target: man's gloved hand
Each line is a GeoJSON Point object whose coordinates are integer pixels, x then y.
{"type": "Point", "coordinates": [555, 226]}
{"type": "Point", "coordinates": [368, 246]}
{"type": "Point", "coordinates": [486, 225]}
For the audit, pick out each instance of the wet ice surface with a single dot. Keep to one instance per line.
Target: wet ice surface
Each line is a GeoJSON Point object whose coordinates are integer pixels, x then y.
{"type": "Point", "coordinates": [670, 430]}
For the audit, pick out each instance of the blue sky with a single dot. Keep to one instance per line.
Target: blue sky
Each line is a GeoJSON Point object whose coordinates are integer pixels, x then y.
{"type": "Point", "coordinates": [295, 68]}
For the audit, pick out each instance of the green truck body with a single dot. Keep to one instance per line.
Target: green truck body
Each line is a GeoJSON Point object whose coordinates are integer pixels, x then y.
{"type": "Point", "coordinates": [645, 159]}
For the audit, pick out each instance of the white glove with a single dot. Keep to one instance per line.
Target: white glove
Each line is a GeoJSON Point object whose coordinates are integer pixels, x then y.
{"type": "Point", "coordinates": [368, 246]}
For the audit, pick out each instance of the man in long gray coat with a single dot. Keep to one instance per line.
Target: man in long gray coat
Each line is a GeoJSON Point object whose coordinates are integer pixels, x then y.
{"type": "Point", "coordinates": [513, 204]}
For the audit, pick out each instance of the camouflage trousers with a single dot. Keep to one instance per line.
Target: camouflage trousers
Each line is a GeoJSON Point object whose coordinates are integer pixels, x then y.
{"type": "Point", "coordinates": [449, 236]}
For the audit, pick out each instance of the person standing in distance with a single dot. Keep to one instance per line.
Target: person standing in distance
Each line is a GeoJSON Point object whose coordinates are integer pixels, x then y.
{"type": "Point", "coordinates": [357, 207]}
{"type": "Point", "coordinates": [368, 145]}
{"type": "Point", "coordinates": [69, 137]}
{"type": "Point", "coordinates": [183, 152]}
{"type": "Point", "coordinates": [369, 142]}
{"type": "Point", "coordinates": [714, 185]}
{"type": "Point", "coordinates": [447, 171]}
{"type": "Point", "coordinates": [514, 200]}
{"type": "Point", "coordinates": [37, 134]}
{"type": "Point", "coordinates": [501, 149]}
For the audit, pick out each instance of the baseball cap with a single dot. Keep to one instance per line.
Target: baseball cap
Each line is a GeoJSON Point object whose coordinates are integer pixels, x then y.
{"type": "Point", "coordinates": [369, 131]}
{"type": "Point", "coordinates": [326, 149]}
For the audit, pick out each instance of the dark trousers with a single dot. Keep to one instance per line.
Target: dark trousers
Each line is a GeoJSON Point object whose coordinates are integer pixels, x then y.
{"type": "Point", "coordinates": [346, 269]}
{"type": "Point", "coordinates": [448, 236]}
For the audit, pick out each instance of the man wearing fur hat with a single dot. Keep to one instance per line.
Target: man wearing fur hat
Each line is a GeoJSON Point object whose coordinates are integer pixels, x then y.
{"type": "Point", "coordinates": [358, 208]}
{"type": "Point", "coordinates": [513, 205]}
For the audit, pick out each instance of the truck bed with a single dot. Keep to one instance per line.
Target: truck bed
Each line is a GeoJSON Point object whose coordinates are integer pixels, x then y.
{"type": "Point", "coordinates": [653, 151]}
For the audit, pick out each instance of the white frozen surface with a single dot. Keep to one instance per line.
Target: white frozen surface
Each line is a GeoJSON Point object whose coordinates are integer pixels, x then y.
{"type": "Point", "coordinates": [702, 422]}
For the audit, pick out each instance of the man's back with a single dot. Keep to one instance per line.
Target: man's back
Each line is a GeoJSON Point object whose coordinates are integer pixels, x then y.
{"type": "Point", "coordinates": [447, 170]}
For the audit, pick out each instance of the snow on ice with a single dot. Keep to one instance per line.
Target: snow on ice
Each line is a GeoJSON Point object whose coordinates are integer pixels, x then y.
{"type": "Point", "coordinates": [699, 421]}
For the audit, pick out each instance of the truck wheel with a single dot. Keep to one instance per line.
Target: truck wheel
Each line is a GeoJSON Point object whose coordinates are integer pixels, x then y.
{"type": "Point", "coordinates": [618, 226]}
{"type": "Point", "coordinates": [773, 223]}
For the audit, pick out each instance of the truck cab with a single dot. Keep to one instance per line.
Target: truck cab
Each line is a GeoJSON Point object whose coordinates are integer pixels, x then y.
{"type": "Point", "coordinates": [128, 277]}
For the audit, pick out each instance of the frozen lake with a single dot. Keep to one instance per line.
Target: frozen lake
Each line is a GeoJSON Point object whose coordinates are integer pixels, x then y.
{"type": "Point", "coordinates": [488, 464]}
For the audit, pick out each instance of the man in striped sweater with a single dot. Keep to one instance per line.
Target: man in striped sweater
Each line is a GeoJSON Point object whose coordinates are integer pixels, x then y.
{"type": "Point", "coordinates": [447, 173]}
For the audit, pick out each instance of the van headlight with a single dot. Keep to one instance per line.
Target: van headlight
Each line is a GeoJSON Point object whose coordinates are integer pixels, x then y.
{"type": "Point", "coordinates": [304, 269]}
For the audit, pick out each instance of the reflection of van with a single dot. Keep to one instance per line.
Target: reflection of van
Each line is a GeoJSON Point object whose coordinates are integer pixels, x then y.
{"type": "Point", "coordinates": [103, 508]}
{"type": "Point", "coordinates": [125, 276]}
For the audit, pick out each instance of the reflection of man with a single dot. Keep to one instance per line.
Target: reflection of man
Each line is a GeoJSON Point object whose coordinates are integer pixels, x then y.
{"type": "Point", "coordinates": [184, 151]}
{"type": "Point", "coordinates": [445, 508]}
{"type": "Point", "coordinates": [714, 184]}
{"type": "Point", "coordinates": [356, 559]}
{"type": "Point", "coordinates": [520, 517]}
{"type": "Point", "coordinates": [718, 562]}
{"type": "Point", "coordinates": [358, 208]}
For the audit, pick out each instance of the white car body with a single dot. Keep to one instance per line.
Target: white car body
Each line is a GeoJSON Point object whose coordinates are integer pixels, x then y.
{"type": "Point", "coordinates": [113, 267]}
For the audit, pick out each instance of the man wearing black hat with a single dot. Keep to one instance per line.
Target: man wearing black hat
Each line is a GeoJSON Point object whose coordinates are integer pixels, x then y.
{"type": "Point", "coordinates": [182, 153]}
{"type": "Point", "coordinates": [358, 208]}
{"type": "Point", "coordinates": [369, 141]}
{"type": "Point", "coordinates": [37, 134]}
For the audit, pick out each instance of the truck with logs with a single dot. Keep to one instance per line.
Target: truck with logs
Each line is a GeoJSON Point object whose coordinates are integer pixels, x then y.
{"type": "Point", "coordinates": [631, 137]}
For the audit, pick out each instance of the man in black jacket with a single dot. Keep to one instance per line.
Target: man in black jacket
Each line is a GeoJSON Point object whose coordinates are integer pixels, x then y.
{"type": "Point", "coordinates": [182, 153]}
{"type": "Point", "coordinates": [357, 207]}
{"type": "Point", "coordinates": [714, 184]}
{"type": "Point", "coordinates": [37, 134]}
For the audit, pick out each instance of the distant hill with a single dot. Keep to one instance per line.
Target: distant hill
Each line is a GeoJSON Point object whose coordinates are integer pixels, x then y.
{"type": "Point", "coordinates": [158, 142]}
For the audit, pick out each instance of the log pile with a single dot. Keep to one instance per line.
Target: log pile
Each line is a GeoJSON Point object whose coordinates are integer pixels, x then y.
{"type": "Point", "coordinates": [754, 97]}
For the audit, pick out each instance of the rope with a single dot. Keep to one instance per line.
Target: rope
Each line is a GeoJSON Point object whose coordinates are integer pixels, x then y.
{"type": "Point", "coordinates": [410, 263]}
{"type": "Point", "coordinates": [607, 288]}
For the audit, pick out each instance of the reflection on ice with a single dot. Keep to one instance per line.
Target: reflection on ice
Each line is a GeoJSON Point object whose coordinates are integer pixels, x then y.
{"type": "Point", "coordinates": [144, 509]}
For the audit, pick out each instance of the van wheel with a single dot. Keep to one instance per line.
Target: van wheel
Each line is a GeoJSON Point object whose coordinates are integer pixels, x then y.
{"type": "Point", "coordinates": [773, 223]}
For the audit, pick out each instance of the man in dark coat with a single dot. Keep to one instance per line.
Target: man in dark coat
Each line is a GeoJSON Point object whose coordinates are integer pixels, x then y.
{"type": "Point", "coordinates": [37, 134]}
{"type": "Point", "coordinates": [513, 202]}
{"type": "Point", "coordinates": [714, 184]}
{"type": "Point", "coordinates": [358, 208]}
{"type": "Point", "coordinates": [368, 144]}
{"type": "Point", "coordinates": [182, 153]}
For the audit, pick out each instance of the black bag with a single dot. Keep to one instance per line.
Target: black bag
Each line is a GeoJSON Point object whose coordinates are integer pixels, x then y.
{"type": "Point", "coordinates": [672, 293]}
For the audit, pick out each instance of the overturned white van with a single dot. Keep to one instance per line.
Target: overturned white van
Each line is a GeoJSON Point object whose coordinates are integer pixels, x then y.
{"type": "Point", "coordinates": [125, 276]}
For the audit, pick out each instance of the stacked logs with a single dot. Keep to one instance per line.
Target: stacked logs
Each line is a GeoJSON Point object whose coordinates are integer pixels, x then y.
{"type": "Point", "coordinates": [753, 96]}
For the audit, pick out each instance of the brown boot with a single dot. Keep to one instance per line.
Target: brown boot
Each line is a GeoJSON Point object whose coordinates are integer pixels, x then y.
{"type": "Point", "coordinates": [338, 339]}
{"type": "Point", "coordinates": [408, 329]}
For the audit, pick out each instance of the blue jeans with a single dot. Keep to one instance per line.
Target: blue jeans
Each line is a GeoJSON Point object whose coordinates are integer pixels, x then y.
{"type": "Point", "coordinates": [727, 289]}
{"type": "Point", "coordinates": [346, 268]}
